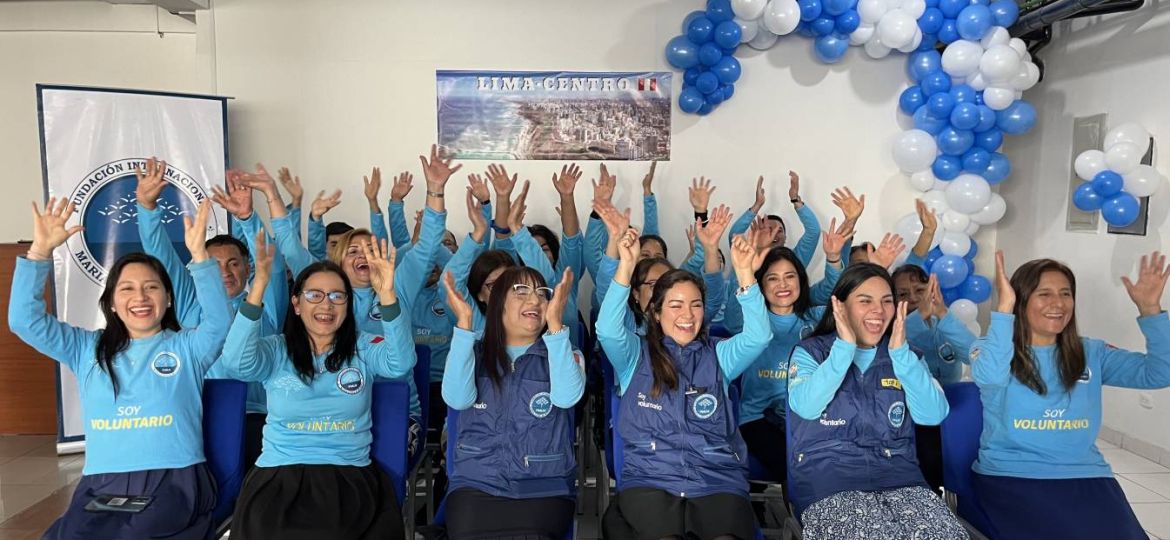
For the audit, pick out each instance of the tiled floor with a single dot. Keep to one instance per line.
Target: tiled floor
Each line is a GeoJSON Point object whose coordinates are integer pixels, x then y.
{"type": "Point", "coordinates": [35, 486]}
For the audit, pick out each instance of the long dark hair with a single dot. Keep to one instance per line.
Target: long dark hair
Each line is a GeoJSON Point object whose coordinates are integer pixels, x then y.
{"type": "Point", "coordinates": [1070, 351]}
{"type": "Point", "coordinates": [550, 240]}
{"type": "Point", "coordinates": [780, 253]}
{"type": "Point", "coordinates": [654, 237]}
{"type": "Point", "coordinates": [116, 337]}
{"type": "Point", "coordinates": [641, 270]}
{"type": "Point", "coordinates": [661, 362]}
{"type": "Point", "coordinates": [486, 263]}
{"type": "Point", "coordinates": [296, 337]}
{"type": "Point", "coordinates": [494, 345]}
{"type": "Point", "coordinates": [852, 278]}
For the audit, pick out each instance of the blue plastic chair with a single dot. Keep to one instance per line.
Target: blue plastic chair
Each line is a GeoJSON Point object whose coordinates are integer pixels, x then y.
{"type": "Point", "coordinates": [422, 382]}
{"type": "Point", "coordinates": [224, 403]}
{"type": "Point", "coordinates": [960, 447]}
{"type": "Point", "coordinates": [390, 412]}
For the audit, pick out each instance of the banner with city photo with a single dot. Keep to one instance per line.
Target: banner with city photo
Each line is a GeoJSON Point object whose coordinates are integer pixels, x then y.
{"type": "Point", "coordinates": [554, 115]}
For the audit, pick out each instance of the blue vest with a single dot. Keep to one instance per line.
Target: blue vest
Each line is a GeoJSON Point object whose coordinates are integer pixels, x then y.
{"type": "Point", "coordinates": [513, 442]}
{"type": "Point", "coordinates": [685, 441]}
{"type": "Point", "coordinates": [863, 441]}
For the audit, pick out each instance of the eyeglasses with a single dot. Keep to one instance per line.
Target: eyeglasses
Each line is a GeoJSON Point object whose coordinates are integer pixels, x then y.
{"type": "Point", "coordinates": [649, 283]}
{"type": "Point", "coordinates": [314, 296]}
{"type": "Point", "coordinates": [523, 292]}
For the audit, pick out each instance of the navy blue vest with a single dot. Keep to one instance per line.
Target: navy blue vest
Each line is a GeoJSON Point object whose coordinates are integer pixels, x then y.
{"type": "Point", "coordinates": [863, 441]}
{"type": "Point", "coordinates": [513, 442]}
{"type": "Point", "coordinates": [685, 441]}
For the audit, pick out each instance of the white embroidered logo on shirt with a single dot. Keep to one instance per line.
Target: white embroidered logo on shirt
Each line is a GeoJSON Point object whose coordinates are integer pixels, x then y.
{"type": "Point", "coordinates": [166, 364]}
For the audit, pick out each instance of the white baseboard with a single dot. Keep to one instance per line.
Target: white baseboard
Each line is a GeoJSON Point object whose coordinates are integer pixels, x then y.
{"type": "Point", "coordinates": [1150, 451]}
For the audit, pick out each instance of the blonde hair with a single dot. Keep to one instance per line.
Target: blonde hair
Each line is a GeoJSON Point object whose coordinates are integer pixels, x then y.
{"type": "Point", "coordinates": [337, 254]}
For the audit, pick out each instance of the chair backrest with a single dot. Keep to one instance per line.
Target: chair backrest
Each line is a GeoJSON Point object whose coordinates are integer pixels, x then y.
{"type": "Point", "coordinates": [452, 429]}
{"type": "Point", "coordinates": [390, 412]}
{"type": "Point", "coordinates": [960, 447]}
{"type": "Point", "coordinates": [422, 381]}
{"type": "Point", "coordinates": [615, 444]}
{"type": "Point", "coordinates": [224, 403]}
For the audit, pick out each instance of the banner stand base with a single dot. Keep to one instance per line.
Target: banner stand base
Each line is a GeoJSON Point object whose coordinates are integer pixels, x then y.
{"type": "Point", "coordinates": [72, 447]}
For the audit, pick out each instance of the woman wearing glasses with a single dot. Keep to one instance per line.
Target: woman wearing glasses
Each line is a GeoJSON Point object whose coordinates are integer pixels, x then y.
{"type": "Point", "coordinates": [314, 478]}
{"type": "Point", "coordinates": [514, 467]}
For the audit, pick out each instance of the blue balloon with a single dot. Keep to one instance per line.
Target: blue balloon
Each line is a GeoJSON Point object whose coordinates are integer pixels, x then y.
{"type": "Point", "coordinates": [951, 8]}
{"type": "Point", "coordinates": [965, 115]}
{"type": "Point", "coordinates": [848, 22]}
{"type": "Point", "coordinates": [931, 256]}
{"type": "Point", "coordinates": [963, 93]}
{"type": "Point", "coordinates": [1121, 210]}
{"type": "Point", "coordinates": [1086, 199]}
{"type": "Point", "coordinates": [727, 34]}
{"type": "Point", "coordinates": [951, 271]}
{"type": "Point", "coordinates": [949, 33]}
{"type": "Point", "coordinates": [810, 10]}
{"type": "Point", "coordinates": [974, 22]}
{"type": "Point", "coordinates": [941, 104]}
{"type": "Point", "coordinates": [715, 97]}
{"type": "Point", "coordinates": [707, 83]}
{"type": "Point", "coordinates": [936, 82]}
{"type": "Point", "coordinates": [998, 169]}
{"type": "Point", "coordinates": [686, 25]}
{"type": "Point", "coordinates": [911, 99]}
{"type": "Point", "coordinates": [709, 54]}
{"type": "Point", "coordinates": [928, 42]}
{"type": "Point", "coordinates": [727, 69]}
{"type": "Point", "coordinates": [1017, 118]}
{"type": "Point", "coordinates": [989, 140]}
{"type": "Point", "coordinates": [1108, 183]}
{"type": "Point", "coordinates": [986, 115]}
{"type": "Point", "coordinates": [946, 167]}
{"type": "Point", "coordinates": [837, 7]}
{"type": "Point", "coordinates": [690, 99]}
{"type": "Point", "coordinates": [700, 30]}
{"type": "Point", "coordinates": [950, 295]}
{"type": "Point", "coordinates": [931, 3]}
{"type": "Point", "coordinates": [927, 122]}
{"type": "Point", "coordinates": [706, 109]}
{"type": "Point", "coordinates": [823, 26]}
{"type": "Point", "coordinates": [682, 53]}
{"type": "Point", "coordinates": [728, 91]}
{"type": "Point", "coordinates": [921, 64]}
{"type": "Point", "coordinates": [719, 11]}
{"type": "Point", "coordinates": [955, 142]}
{"type": "Point", "coordinates": [971, 253]}
{"type": "Point", "coordinates": [829, 49]}
{"type": "Point", "coordinates": [805, 29]}
{"type": "Point", "coordinates": [727, 51]}
{"type": "Point", "coordinates": [690, 75]}
{"type": "Point", "coordinates": [976, 160]}
{"type": "Point", "coordinates": [1005, 12]}
{"type": "Point", "coordinates": [931, 20]}
{"type": "Point", "coordinates": [970, 268]}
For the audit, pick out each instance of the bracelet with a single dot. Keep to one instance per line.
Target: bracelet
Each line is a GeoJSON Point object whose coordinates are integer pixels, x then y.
{"type": "Point", "coordinates": [743, 290]}
{"type": "Point", "coordinates": [831, 261]}
{"type": "Point", "coordinates": [433, 194]}
{"type": "Point", "coordinates": [499, 229]}
{"type": "Point", "coordinates": [794, 201]}
{"type": "Point", "coordinates": [561, 331]}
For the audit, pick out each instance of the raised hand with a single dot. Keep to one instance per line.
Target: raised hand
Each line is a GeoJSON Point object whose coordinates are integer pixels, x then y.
{"type": "Point", "coordinates": [759, 202]}
{"type": "Point", "coordinates": [927, 217]}
{"type": "Point", "coordinates": [371, 185]}
{"type": "Point", "coordinates": [516, 212]}
{"type": "Point", "coordinates": [237, 200]}
{"type": "Point", "coordinates": [648, 180]}
{"type": "Point", "coordinates": [457, 303]}
{"type": "Point", "coordinates": [380, 256]}
{"type": "Point", "coordinates": [629, 247]}
{"type": "Point", "coordinates": [844, 331]}
{"type": "Point", "coordinates": [1147, 292]}
{"type": "Point", "coordinates": [691, 239]}
{"type": "Point", "coordinates": [501, 182]}
{"type": "Point", "coordinates": [150, 182]}
{"type": "Point", "coordinates": [1003, 287]}
{"type": "Point", "coordinates": [834, 239]}
{"type": "Point", "coordinates": [292, 184]}
{"type": "Point", "coordinates": [898, 333]}
{"type": "Point", "coordinates": [743, 259]}
{"type": "Point", "coordinates": [709, 233]}
{"type": "Point", "coordinates": [323, 204]}
{"type": "Point", "coordinates": [603, 188]}
{"type": "Point", "coordinates": [418, 219]}
{"type": "Point", "coordinates": [794, 187]}
{"type": "Point", "coordinates": [437, 170]}
{"type": "Point", "coordinates": [49, 228]}
{"type": "Point", "coordinates": [195, 232]}
{"type": "Point", "coordinates": [932, 305]}
{"type": "Point", "coordinates": [478, 188]}
{"type": "Point", "coordinates": [851, 206]}
{"type": "Point", "coordinates": [556, 307]}
{"type": "Point", "coordinates": [762, 234]}
{"type": "Point", "coordinates": [616, 223]}
{"type": "Point", "coordinates": [260, 181]}
{"type": "Point", "coordinates": [566, 182]}
{"type": "Point", "coordinates": [887, 252]}
{"type": "Point", "coordinates": [700, 194]}
{"type": "Point", "coordinates": [262, 257]}
{"type": "Point", "coordinates": [401, 187]}
{"type": "Point", "coordinates": [479, 225]}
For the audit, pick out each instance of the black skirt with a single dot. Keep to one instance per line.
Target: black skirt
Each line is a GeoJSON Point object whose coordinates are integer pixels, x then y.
{"type": "Point", "coordinates": [180, 510]}
{"type": "Point", "coordinates": [649, 514]}
{"type": "Point", "coordinates": [475, 515]}
{"type": "Point", "coordinates": [310, 502]}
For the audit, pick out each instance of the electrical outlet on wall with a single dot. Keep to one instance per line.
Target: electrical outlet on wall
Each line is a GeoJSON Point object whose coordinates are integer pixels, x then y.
{"type": "Point", "coordinates": [1146, 400]}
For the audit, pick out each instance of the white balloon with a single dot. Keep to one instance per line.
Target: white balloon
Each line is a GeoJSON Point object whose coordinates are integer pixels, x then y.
{"type": "Point", "coordinates": [1123, 157]}
{"type": "Point", "coordinates": [1130, 132]}
{"type": "Point", "coordinates": [875, 49]}
{"type": "Point", "coordinates": [1142, 181]}
{"type": "Point", "coordinates": [896, 29]}
{"type": "Point", "coordinates": [764, 40]}
{"type": "Point", "coordinates": [894, 4]}
{"type": "Point", "coordinates": [974, 328]}
{"type": "Point", "coordinates": [748, 9]}
{"type": "Point", "coordinates": [782, 16]}
{"type": "Point", "coordinates": [998, 99]}
{"type": "Point", "coordinates": [862, 35]}
{"type": "Point", "coordinates": [1026, 76]}
{"type": "Point", "coordinates": [1089, 163]}
{"type": "Point", "coordinates": [991, 213]}
{"type": "Point", "coordinates": [964, 310]}
{"type": "Point", "coordinates": [936, 199]}
{"type": "Point", "coordinates": [909, 227]}
{"type": "Point", "coordinates": [922, 180]}
{"type": "Point", "coordinates": [914, 8]}
{"type": "Point", "coordinates": [940, 185]}
{"type": "Point", "coordinates": [871, 11]}
{"type": "Point", "coordinates": [955, 243]}
{"type": "Point", "coordinates": [914, 150]}
{"type": "Point", "coordinates": [913, 45]}
{"type": "Point", "coordinates": [972, 229]}
{"type": "Point", "coordinates": [747, 30]}
{"type": "Point", "coordinates": [968, 193]}
{"type": "Point", "coordinates": [977, 82]}
{"type": "Point", "coordinates": [961, 58]}
{"type": "Point", "coordinates": [998, 35]}
{"type": "Point", "coordinates": [1019, 45]}
{"type": "Point", "coordinates": [999, 64]}
{"type": "Point", "coordinates": [955, 221]}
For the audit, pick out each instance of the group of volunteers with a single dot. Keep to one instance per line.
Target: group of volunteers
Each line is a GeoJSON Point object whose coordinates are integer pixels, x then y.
{"type": "Point", "coordinates": [833, 384]}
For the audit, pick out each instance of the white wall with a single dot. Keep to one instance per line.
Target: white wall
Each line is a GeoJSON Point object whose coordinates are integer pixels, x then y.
{"type": "Point", "coordinates": [77, 43]}
{"type": "Point", "coordinates": [1085, 76]}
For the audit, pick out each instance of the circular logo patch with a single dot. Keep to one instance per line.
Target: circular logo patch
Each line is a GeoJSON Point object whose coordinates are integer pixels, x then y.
{"type": "Point", "coordinates": [946, 353]}
{"type": "Point", "coordinates": [705, 406]}
{"type": "Point", "coordinates": [1086, 376]}
{"type": "Point", "coordinates": [375, 313]}
{"type": "Point", "coordinates": [540, 405]}
{"type": "Point", "coordinates": [350, 380]}
{"type": "Point", "coordinates": [897, 414]}
{"type": "Point", "coordinates": [165, 364]}
{"type": "Point", "coordinates": [806, 331]}
{"type": "Point", "coordinates": [439, 309]}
